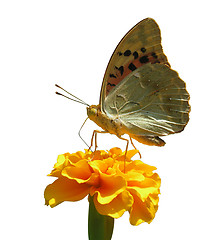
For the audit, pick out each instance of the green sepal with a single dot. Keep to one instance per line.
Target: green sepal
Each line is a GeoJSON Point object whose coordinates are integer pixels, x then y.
{"type": "Point", "coordinates": [100, 227]}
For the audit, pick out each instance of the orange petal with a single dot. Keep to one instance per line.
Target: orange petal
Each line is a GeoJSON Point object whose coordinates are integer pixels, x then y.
{"type": "Point", "coordinates": [64, 189]}
{"type": "Point", "coordinates": [115, 151]}
{"type": "Point", "coordinates": [80, 171]}
{"type": "Point", "coordinates": [62, 162]}
{"type": "Point", "coordinates": [65, 160]}
{"type": "Point", "coordinates": [101, 166]}
{"type": "Point", "coordinates": [75, 157]}
{"type": "Point", "coordinates": [138, 165]}
{"type": "Point", "coordinates": [98, 166]}
{"type": "Point", "coordinates": [100, 155]}
{"type": "Point", "coordinates": [134, 176]}
{"type": "Point", "coordinates": [131, 153]}
{"type": "Point", "coordinates": [117, 206]}
{"type": "Point", "coordinates": [110, 187]}
{"type": "Point", "coordinates": [143, 189]}
{"type": "Point", "coordinates": [142, 211]}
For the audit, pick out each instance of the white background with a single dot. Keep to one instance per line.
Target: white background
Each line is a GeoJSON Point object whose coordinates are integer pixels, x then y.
{"type": "Point", "coordinates": [70, 43]}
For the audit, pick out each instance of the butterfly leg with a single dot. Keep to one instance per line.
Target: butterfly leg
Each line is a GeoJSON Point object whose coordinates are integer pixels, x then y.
{"type": "Point", "coordinates": [125, 149]}
{"type": "Point", "coordinates": [94, 136]}
{"type": "Point", "coordinates": [92, 140]}
{"type": "Point", "coordinates": [79, 133]}
{"type": "Point", "coordinates": [134, 146]}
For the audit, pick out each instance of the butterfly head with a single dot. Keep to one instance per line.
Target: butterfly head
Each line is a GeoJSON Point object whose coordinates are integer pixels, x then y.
{"type": "Point", "coordinates": [92, 111]}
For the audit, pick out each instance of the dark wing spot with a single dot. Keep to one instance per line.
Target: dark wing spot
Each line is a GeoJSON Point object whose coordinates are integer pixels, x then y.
{"type": "Point", "coordinates": [112, 75]}
{"type": "Point", "coordinates": [135, 54]}
{"type": "Point", "coordinates": [127, 53]}
{"type": "Point", "coordinates": [120, 69]}
{"type": "Point", "coordinates": [144, 59]}
{"type": "Point", "coordinates": [111, 84]}
{"type": "Point", "coordinates": [132, 67]}
{"type": "Point", "coordinates": [119, 53]}
{"type": "Point", "coordinates": [143, 50]}
{"type": "Point", "coordinates": [154, 55]}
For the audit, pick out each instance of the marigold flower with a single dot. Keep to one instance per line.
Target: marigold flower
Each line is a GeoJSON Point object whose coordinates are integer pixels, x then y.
{"type": "Point", "coordinates": [115, 183]}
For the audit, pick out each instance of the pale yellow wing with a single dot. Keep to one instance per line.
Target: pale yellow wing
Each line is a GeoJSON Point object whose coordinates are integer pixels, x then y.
{"type": "Point", "coordinates": [141, 45]}
{"type": "Point", "coordinates": [151, 101]}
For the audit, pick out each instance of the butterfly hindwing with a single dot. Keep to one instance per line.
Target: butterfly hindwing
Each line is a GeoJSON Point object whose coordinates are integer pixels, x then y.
{"type": "Point", "coordinates": [151, 101]}
{"type": "Point", "coordinates": [141, 45]}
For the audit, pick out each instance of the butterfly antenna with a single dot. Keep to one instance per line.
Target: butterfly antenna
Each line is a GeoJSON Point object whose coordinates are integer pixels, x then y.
{"type": "Point", "coordinates": [76, 98]}
{"type": "Point", "coordinates": [71, 99]}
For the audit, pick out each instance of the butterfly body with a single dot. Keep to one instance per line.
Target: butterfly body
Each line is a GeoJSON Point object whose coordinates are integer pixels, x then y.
{"type": "Point", "coordinates": [114, 126]}
{"type": "Point", "coordinates": [111, 125]}
{"type": "Point", "coordinates": [141, 95]}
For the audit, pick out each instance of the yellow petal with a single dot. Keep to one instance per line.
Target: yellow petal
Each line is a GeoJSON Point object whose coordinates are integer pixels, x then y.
{"type": "Point", "coordinates": [117, 206]}
{"type": "Point", "coordinates": [64, 189]}
{"type": "Point", "coordinates": [153, 181]}
{"type": "Point", "coordinates": [143, 193]}
{"type": "Point", "coordinates": [134, 176]}
{"type": "Point", "coordinates": [146, 187]}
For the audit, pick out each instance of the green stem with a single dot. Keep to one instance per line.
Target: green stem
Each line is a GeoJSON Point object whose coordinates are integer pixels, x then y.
{"type": "Point", "coordinates": [100, 227]}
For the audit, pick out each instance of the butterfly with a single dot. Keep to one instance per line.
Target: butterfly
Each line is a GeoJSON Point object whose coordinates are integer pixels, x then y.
{"type": "Point", "coordinates": [141, 95]}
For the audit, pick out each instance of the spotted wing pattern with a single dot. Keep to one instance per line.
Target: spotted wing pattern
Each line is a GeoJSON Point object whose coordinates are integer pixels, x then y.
{"type": "Point", "coordinates": [141, 45]}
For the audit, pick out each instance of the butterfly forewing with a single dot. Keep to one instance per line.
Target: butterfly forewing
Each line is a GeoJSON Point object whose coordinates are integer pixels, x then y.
{"type": "Point", "coordinates": [151, 101]}
{"type": "Point", "coordinates": [141, 45]}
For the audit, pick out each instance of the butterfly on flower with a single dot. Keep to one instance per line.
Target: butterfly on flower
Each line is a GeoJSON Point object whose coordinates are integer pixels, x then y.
{"type": "Point", "coordinates": [141, 95]}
